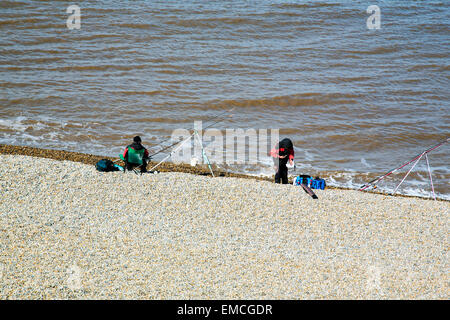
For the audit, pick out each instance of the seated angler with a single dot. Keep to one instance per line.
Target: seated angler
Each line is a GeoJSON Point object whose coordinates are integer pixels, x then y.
{"type": "Point", "coordinates": [135, 155]}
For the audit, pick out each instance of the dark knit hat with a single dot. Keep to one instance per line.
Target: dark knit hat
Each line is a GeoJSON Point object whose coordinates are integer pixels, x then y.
{"type": "Point", "coordinates": [137, 139]}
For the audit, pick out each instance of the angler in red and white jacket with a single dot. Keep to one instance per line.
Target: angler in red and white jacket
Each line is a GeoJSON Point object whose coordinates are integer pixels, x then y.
{"type": "Point", "coordinates": [281, 154]}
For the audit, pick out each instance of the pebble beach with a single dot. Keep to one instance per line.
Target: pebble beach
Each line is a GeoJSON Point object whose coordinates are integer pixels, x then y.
{"type": "Point", "coordinates": [71, 232]}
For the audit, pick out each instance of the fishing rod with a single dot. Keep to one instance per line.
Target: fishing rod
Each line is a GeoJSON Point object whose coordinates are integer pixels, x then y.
{"type": "Point", "coordinates": [220, 120]}
{"type": "Point", "coordinates": [163, 149]}
{"type": "Point", "coordinates": [188, 139]}
{"type": "Point", "coordinates": [378, 179]}
{"type": "Point", "coordinates": [173, 144]}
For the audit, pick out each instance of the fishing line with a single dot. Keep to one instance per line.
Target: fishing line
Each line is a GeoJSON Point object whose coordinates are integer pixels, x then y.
{"type": "Point", "coordinates": [209, 126]}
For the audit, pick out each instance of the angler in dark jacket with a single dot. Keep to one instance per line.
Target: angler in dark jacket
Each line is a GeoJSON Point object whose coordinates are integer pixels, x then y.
{"type": "Point", "coordinates": [136, 155]}
{"type": "Point", "coordinates": [281, 154]}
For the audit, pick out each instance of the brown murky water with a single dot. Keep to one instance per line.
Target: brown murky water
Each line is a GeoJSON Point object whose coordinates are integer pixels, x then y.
{"type": "Point", "coordinates": [356, 102]}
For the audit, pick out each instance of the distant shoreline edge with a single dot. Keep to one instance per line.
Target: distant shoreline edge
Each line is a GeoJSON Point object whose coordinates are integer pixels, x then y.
{"type": "Point", "coordinates": [63, 155]}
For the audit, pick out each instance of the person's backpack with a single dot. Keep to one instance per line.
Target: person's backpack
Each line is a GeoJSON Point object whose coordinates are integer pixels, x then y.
{"type": "Point", "coordinates": [284, 146]}
{"type": "Point", "coordinates": [105, 165]}
{"type": "Point", "coordinates": [286, 143]}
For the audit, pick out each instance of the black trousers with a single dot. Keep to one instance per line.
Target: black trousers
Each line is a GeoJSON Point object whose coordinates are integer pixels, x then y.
{"type": "Point", "coordinates": [282, 173]}
{"type": "Point", "coordinates": [130, 166]}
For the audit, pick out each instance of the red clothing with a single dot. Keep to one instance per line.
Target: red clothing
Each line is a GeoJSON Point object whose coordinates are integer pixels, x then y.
{"type": "Point", "coordinates": [275, 153]}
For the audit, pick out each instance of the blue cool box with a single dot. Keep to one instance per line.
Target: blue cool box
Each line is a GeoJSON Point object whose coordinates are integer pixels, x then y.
{"type": "Point", "coordinates": [310, 182]}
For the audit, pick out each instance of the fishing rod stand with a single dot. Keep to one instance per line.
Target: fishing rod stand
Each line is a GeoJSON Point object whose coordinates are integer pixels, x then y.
{"type": "Point", "coordinates": [429, 173]}
{"type": "Point", "coordinates": [194, 135]}
{"type": "Point", "coordinates": [205, 157]}
{"type": "Point", "coordinates": [416, 159]}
